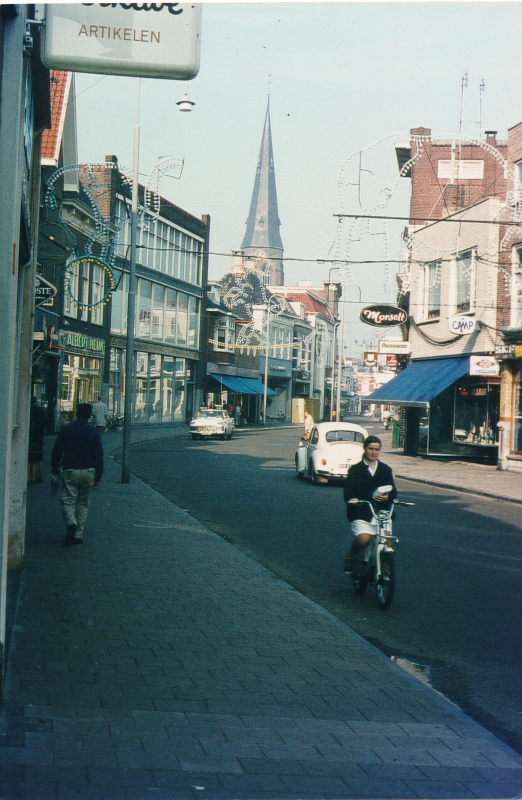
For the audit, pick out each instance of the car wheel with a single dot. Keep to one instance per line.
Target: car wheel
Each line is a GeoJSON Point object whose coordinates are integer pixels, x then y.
{"type": "Point", "coordinates": [316, 479]}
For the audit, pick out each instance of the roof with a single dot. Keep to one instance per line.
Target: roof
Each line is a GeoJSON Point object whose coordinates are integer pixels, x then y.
{"type": "Point", "coordinates": [52, 138]}
{"type": "Point", "coordinates": [312, 303]}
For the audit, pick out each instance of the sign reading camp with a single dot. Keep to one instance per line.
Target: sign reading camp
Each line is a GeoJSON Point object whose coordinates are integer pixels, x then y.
{"type": "Point", "coordinates": [144, 40]}
{"type": "Point", "coordinates": [383, 316]}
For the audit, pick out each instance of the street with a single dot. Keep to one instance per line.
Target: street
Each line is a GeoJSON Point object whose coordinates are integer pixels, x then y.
{"type": "Point", "coordinates": [454, 620]}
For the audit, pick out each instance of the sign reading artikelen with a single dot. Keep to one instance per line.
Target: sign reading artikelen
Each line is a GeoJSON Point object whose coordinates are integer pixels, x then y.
{"type": "Point", "coordinates": [149, 40]}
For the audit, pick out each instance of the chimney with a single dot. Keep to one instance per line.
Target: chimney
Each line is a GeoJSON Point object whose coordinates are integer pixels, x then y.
{"type": "Point", "coordinates": [491, 137]}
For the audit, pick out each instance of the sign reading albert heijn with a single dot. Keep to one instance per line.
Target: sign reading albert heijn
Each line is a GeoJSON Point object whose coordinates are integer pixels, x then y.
{"type": "Point", "coordinates": [383, 316]}
{"type": "Point", "coordinates": [149, 40]}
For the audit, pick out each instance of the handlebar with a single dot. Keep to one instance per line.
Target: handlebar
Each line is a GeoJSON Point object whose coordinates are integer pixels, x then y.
{"type": "Point", "coordinates": [372, 503]}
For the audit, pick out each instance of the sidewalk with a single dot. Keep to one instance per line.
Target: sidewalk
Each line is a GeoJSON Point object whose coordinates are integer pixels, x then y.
{"type": "Point", "coordinates": [156, 660]}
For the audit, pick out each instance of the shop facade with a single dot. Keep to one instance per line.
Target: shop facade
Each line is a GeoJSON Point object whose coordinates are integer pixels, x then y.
{"type": "Point", "coordinates": [449, 409]}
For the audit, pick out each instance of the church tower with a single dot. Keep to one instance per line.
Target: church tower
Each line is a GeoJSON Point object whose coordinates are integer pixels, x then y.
{"type": "Point", "coordinates": [262, 239]}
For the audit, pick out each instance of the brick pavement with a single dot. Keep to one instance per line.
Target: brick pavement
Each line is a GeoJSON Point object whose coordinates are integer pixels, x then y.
{"type": "Point", "coordinates": [157, 660]}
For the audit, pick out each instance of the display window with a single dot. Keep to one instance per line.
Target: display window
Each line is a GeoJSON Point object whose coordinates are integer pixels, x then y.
{"type": "Point", "coordinates": [462, 420]}
{"type": "Point", "coordinates": [516, 444]}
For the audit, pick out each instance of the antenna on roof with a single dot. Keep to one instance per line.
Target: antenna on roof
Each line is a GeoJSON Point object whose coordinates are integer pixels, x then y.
{"type": "Point", "coordinates": [481, 90]}
{"type": "Point", "coordinates": [463, 86]}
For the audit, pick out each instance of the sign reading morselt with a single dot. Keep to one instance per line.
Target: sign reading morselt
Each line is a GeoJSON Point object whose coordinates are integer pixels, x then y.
{"type": "Point", "coordinates": [149, 40]}
{"type": "Point", "coordinates": [383, 316]}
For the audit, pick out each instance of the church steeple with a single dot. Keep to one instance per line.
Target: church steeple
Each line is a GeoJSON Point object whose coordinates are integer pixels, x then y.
{"type": "Point", "coordinates": [262, 237]}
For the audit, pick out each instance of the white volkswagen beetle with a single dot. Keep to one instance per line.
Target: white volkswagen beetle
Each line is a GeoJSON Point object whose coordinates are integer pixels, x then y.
{"type": "Point", "coordinates": [212, 422]}
{"type": "Point", "coordinates": [329, 452]}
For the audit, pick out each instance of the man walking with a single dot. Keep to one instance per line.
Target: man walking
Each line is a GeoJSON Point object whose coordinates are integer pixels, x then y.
{"type": "Point", "coordinates": [79, 451]}
{"type": "Point", "coordinates": [101, 412]}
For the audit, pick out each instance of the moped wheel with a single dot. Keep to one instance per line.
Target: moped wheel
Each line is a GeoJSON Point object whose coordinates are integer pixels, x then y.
{"type": "Point", "coordinates": [385, 586]}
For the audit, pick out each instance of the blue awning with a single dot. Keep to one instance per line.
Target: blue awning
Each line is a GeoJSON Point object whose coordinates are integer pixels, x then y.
{"type": "Point", "coordinates": [419, 383]}
{"type": "Point", "coordinates": [243, 385]}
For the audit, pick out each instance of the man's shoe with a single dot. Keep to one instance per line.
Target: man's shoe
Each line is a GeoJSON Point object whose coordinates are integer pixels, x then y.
{"type": "Point", "coordinates": [348, 564]}
{"type": "Point", "coordinates": [76, 540]}
{"type": "Point", "coordinates": [71, 530]}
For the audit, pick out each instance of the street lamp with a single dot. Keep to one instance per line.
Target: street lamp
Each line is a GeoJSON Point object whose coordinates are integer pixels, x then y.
{"type": "Point", "coordinates": [185, 104]}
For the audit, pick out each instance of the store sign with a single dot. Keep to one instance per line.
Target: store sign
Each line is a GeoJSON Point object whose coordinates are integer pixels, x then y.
{"type": "Point", "coordinates": [370, 357]}
{"type": "Point", "coordinates": [148, 40]}
{"type": "Point", "coordinates": [43, 292]}
{"type": "Point", "coordinates": [391, 361]}
{"type": "Point", "coordinates": [394, 346]}
{"type": "Point", "coordinates": [383, 316]}
{"type": "Point", "coordinates": [461, 324]}
{"type": "Point", "coordinates": [86, 344]}
{"type": "Point", "coordinates": [483, 365]}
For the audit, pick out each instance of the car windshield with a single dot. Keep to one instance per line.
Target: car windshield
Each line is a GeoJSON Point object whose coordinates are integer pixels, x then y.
{"type": "Point", "coordinates": [333, 437]}
{"type": "Point", "coordinates": [210, 412]}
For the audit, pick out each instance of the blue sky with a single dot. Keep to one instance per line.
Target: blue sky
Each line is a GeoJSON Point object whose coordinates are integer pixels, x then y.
{"type": "Point", "coordinates": [342, 76]}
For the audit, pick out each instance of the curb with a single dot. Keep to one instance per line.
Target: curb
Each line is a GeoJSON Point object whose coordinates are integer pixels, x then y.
{"type": "Point", "coordinates": [462, 489]}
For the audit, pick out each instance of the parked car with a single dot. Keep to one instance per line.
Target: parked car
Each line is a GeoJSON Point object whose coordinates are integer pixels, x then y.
{"type": "Point", "coordinates": [212, 422]}
{"type": "Point", "coordinates": [329, 452]}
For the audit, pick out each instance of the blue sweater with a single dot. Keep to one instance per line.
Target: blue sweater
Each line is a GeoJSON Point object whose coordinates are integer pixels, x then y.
{"type": "Point", "coordinates": [78, 446]}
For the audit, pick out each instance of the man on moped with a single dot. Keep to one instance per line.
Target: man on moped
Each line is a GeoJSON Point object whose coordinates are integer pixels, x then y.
{"type": "Point", "coordinates": [365, 481]}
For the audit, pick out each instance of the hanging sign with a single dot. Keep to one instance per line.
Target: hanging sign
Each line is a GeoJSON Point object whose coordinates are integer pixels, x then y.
{"type": "Point", "coordinates": [462, 324]}
{"type": "Point", "coordinates": [394, 346]}
{"type": "Point", "coordinates": [43, 291]}
{"type": "Point", "coordinates": [483, 365]}
{"type": "Point", "coordinates": [383, 316]}
{"type": "Point", "coordinates": [145, 40]}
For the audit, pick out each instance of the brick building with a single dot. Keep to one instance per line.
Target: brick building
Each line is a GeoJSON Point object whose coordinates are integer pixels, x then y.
{"type": "Point", "coordinates": [458, 273]}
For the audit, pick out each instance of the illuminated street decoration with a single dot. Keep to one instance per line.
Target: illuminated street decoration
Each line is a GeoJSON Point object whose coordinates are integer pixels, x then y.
{"type": "Point", "coordinates": [360, 189]}
{"type": "Point", "coordinates": [96, 180]}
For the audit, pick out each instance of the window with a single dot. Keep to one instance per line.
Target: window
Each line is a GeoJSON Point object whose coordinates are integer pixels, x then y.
{"type": "Point", "coordinates": [224, 331]}
{"type": "Point", "coordinates": [466, 281]}
{"type": "Point", "coordinates": [170, 316]}
{"type": "Point", "coordinates": [516, 289]}
{"type": "Point", "coordinates": [98, 279]}
{"type": "Point", "coordinates": [119, 304]}
{"type": "Point", "coordinates": [430, 290]}
{"type": "Point", "coordinates": [70, 308]}
{"type": "Point", "coordinates": [158, 311]}
{"type": "Point", "coordinates": [182, 318]}
{"type": "Point", "coordinates": [193, 338]}
{"type": "Point", "coordinates": [144, 309]}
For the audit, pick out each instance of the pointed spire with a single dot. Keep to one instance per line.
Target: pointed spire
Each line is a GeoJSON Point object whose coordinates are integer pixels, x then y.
{"type": "Point", "coordinates": [262, 237]}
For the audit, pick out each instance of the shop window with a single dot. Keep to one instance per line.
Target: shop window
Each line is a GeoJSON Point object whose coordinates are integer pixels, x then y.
{"type": "Point", "coordinates": [466, 281]}
{"type": "Point", "coordinates": [430, 291]}
{"type": "Point", "coordinates": [462, 420]}
{"type": "Point", "coordinates": [516, 444]}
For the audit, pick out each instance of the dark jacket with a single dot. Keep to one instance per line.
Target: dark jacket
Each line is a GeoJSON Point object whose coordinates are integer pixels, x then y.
{"type": "Point", "coordinates": [362, 484]}
{"type": "Point", "coordinates": [78, 446]}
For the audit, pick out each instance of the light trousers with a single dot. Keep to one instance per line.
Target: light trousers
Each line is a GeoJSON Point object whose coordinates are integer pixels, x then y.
{"type": "Point", "coordinates": [76, 497]}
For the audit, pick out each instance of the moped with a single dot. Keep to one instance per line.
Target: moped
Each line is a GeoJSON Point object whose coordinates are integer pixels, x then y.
{"type": "Point", "coordinates": [375, 563]}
